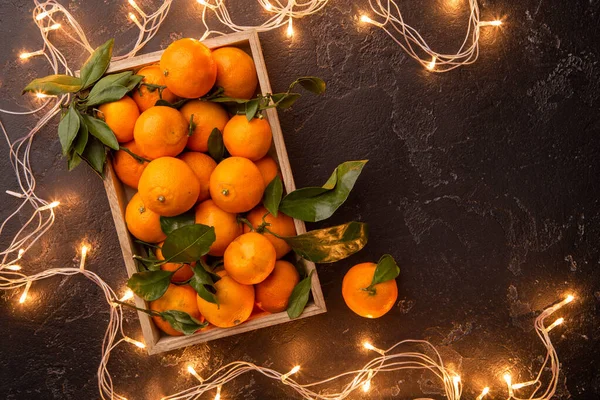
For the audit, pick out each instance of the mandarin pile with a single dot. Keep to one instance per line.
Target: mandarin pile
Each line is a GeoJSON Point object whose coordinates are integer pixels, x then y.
{"type": "Point", "coordinates": [165, 157]}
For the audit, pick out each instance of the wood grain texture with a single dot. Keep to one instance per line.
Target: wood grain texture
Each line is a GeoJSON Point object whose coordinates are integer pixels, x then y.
{"type": "Point", "coordinates": [119, 195]}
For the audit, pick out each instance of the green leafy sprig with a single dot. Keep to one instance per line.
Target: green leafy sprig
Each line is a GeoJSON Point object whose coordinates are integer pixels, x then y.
{"type": "Point", "coordinates": [82, 135]}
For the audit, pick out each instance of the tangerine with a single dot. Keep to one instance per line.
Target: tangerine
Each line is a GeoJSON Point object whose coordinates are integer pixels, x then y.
{"type": "Point", "coordinates": [189, 68]}
{"type": "Point", "coordinates": [235, 303]}
{"type": "Point", "coordinates": [249, 139]}
{"type": "Point", "coordinates": [281, 225]}
{"type": "Point", "coordinates": [142, 222]}
{"type": "Point", "coordinates": [161, 131]}
{"type": "Point", "coordinates": [273, 294]}
{"type": "Point", "coordinates": [203, 166]}
{"type": "Point", "coordinates": [250, 258]}
{"type": "Point", "coordinates": [226, 225]}
{"type": "Point", "coordinates": [236, 72]}
{"type": "Point", "coordinates": [145, 96]}
{"type": "Point", "coordinates": [120, 116]}
{"type": "Point", "coordinates": [236, 185]}
{"type": "Point", "coordinates": [180, 298]}
{"type": "Point", "coordinates": [128, 169]}
{"type": "Point", "coordinates": [168, 186]}
{"type": "Point", "coordinates": [206, 116]}
{"type": "Point", "coordinates": [368, 303]}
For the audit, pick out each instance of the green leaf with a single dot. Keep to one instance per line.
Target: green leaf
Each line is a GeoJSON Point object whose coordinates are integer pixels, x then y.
{"type": "Point", "coordinates": [122, 78]}
{"type": "Point", "coordinates": [150, 285]}
{"type": "Point", "coordinates": [316, 204]}
{"type": "Point", "coordinates": [272, 196]}
{"type": "Point", "coordinates": [73, 161]}
{"type": "Point", "coordinates": [330, 244]}
{"type": "Point", "coordinates": [386, 270]}
{"type": "Point", "coordinates": [223, 99]}
{"type": "Point", "coordinates": [216, 148]}
{"type": "Point", "coordinates": [134, 81]}
{"type": "Point", "coordinates": [299, 297]}
{"type": "Point", "coordinates": [82, 137]}
{"type": "Point", "coordinates": [54, 85]}
{"type": "Point", "coordinates": [97, 64]}
{"type": "Point", "coordinates": [99, 129]}
{"type": "Point", "coordinates": [310, 83]}
{"type": "Point", "coordinates": [106, 95]}
{"type": "Point", "coordinates": [251, 109]}
{"type": "Point", "coordinates": [203, 283]}
{"type": "Point", "coordinates": [182, 321]}
{"type": "Point", "coordinates": [177, 105]}
{"type": "Point", "coordinates": [95, 155]}
{"type": "Point", "coordinates": [285, 100]}
{"type": "Point", "coordinates": [188, 243]}
{"type": "Point", "coordinates": [68, 128]}
{"type": "Point", "coordinates": [169, 224]}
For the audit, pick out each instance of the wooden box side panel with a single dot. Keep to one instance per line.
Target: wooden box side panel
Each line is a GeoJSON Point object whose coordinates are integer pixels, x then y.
{"type": "Point", "coordinates": [118, 198]}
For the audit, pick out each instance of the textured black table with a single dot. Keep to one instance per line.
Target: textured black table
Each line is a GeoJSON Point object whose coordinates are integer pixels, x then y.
{"type": "Point", "coordinates": [483, 183]}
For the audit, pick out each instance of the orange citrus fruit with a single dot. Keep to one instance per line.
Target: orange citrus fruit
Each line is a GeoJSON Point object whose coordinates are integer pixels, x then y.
{"type": "Point", "coordinates": [120, 116]}
{"type": "Point", "coordinates": [206, 117]}
{"type": "Point", "coordinates": [250, 139]}
{"type": "Point", "coordinates": [203, 166]}
{"type": "Point", "coordinates": [161, 131]}
{"type": "Point", "coordinates": [273, 294]}
{"type": "Point", "coordinates": [142, 222]}
{"type": "Point", "coordinates": [250, 258]}
{"type": "Point", "coordinates": [180, 298]}
{"type": "Point", "coordinates": [168, 186]}
{"type": "Point", "coordinates": [146, 97]}
{"type": "Point", "coordinates": [236, 72]}
{"type": "Point", "coordinates": [127, 168]}
{"type": "Point", "coordinates": [236, 185]}
{"type": "Point", "coordinates": [226, 225]}
{"type": "Point", "coordinates": [189, 68]}
{"type": "Point", "coordinates": [268, 169]}
{"type": "Point", "coordinates": [366, 303]}
{"type": "Point", "coordinates": [183, 274]}
{"type": "Point", "coordinates": [236, 302]}
{"type": "Point", "coordinates": [281, 225]}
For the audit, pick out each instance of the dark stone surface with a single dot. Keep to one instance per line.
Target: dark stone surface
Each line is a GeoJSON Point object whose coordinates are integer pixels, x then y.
{"type": "Point", "coordinates": [482, 183]}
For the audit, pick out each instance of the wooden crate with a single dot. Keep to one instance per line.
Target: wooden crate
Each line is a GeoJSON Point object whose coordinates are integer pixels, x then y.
{"type": "Point", "coordinates": [119, 194]}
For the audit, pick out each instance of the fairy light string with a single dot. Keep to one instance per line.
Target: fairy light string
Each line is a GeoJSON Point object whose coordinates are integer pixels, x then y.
{"type": "Point", "coordinates": [50, 17]}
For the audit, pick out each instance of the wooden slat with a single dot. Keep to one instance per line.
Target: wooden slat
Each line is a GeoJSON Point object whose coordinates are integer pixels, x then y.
{"type": "Point", "coordinates": [119, 195]}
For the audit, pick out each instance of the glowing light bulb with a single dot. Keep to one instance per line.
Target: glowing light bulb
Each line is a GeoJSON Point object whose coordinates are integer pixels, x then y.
{"type": "Point", "coordinates": [24, 295]}
{"type": "Point", "coordinates": [135, 21]}
{"type": "Point", "coordinates": [569, 298]}
{"type": "Point", "coordinates": [495, 22]}
{"type": "Point", "coordinates": [508, 380]}
{"type": "Point", "coordinates": [367, 385]}
{"type": "Point", "coordinates": [193, 372]}
{"type": "Point", "coordinates": [431, 64]}
{"type": "Point", "coordinates": [218, 395]}
{"type": "Point", "coordinates": [555, 324]}
{"type": "Point", "coordinates": [41, 95]}
{"type": "Point", "coordinates": [292, 372]}
{"type": "Point", "coordinates": [127, 296]}
{"type": "Point", "coordinates": [21, 252]}
{"type": "Point", "coordinates": [133, 4]}
{"type": "Point", "coordinates": [135, 342]}
{"type": "Point", "coordinates": [366, 19]}
{"type": "Point", "coordinates": [268, 6]}
{"type": "Point", "coordinates": [369, 346]}
{"type": "Point", "coordinates": [523, 384]}
{"type": "Point", "coordinates": [24, 56]}
{"type": "Point", "coordinates": [52, 27]}
{"type": "Point", "coordinates": [51, 205]}
{"type": "Point", "coordinates": [13, 267]}
{"type": "Point", "coordinates": [42, 15]}
{"type": "Point", "coordinates": [290, 29]}
{"type": "Point", "coordinates": [84, 251]}
{"type": "Point", "coordinates": [484, 393]}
